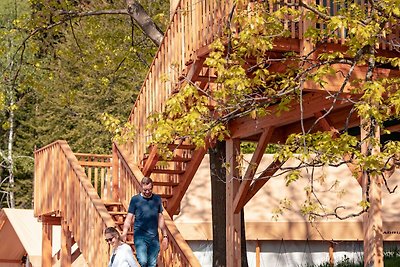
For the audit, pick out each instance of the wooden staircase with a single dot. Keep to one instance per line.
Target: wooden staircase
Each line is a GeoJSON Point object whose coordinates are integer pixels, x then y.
{"type": "Point", "coordinates": [85, 193]}
{"type": "Point", "coordinates": [84, 207]}
{"type": "Point", "coordinates": [70, 190]}
{"type": "Point", "coordinates": [173, 175]}
{"type": "Point", "coordinates": [118, 214]}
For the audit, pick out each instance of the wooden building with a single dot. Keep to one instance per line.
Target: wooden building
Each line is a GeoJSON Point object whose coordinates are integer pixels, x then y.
{"type": "Point", "coordinates": [86, 193]}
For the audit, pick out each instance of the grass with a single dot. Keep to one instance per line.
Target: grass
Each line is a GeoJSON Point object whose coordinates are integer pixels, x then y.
{"type": "Point", "coordinates": [391, 259]}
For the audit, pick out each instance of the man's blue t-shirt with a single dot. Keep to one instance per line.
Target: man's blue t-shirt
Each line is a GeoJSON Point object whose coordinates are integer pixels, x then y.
{"type": "Point", "coordinates": [146, 211]}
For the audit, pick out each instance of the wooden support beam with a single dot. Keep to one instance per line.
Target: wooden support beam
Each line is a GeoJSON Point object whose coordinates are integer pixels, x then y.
{"type": "Point", "coordinates": [240, 197]}
{"type": "Point", "coordinates": [312, 103]}
{"type": "Point", "coordinates": [262, 179]}
{"type": "Point", "coordinates": [76, 254]}
{"type": "Point", "coordinates": [331, 255]}
{"type": "Point", "coordinates": [50, 220]}
{"type": "Point", "coordinates": [258, 253]}
{"type": "Point", "coordinates": [66, 244]}
{"type": "Point", "coordinates": [10, 261]}
{"type": "Point", "coordinates": [372, 192]}
{"type": "Point", "coordinates": [334, 82]}
{"type": "Point", "coordinates": [115, 173]}
{"type": "Point", "coordinates": [194, 69]}
{"type": "Point", "coordinates": [151, 161]}
{"type": "Point", "coordinates": [47, 235]}
{"type": "Point", "coordinates": [206, 79]}
{"type": "Point", "coordinates": [327, 126]}
{"type": "Point", "coordinates": [191, 169]}
{"type": "Point", "coordinates": [233, 223]}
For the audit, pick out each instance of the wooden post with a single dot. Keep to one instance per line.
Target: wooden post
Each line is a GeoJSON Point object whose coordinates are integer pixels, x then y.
{"type": "Point", "coordinates": [47, 234]}
{"type": "Point", "coordinates": [331, 257]}
{"type": "Point", "coordinates": [258, 253]}
{"type": "Point", "coordinates": [172, 6]}
{"type": "Point", "coordinates": [66, 244]}
{"type": "Point", "coordinates": [233, 223]}
{"type": "Point", "coordinates": [115, 170]}
{"type": "Point", "coordinates": [306, 46]}
{"type": "Point", "coordinates": [372, 192]}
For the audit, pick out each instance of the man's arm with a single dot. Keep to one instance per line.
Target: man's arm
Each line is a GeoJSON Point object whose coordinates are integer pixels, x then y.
{"type": "Point", "coordinates": [161, 224]}
{"type": "Point", "coordinates": [127, 224]}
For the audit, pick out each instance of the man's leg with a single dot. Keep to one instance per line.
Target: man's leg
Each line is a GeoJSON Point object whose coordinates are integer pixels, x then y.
{"type": "Point", "coordinates": [141, 251]}
{"type": "Point", "coordinates": [153, 250]}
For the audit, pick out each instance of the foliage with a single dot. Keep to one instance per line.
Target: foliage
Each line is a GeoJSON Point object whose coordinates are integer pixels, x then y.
{"type": "Point", "coordinates": [72, 70]}
{"type": "Point", "coordinates": [391, 258]}
{"type": "Point", "coordinates": [248, 85]}
{"type": "Point", "coordinates": [14, 74]}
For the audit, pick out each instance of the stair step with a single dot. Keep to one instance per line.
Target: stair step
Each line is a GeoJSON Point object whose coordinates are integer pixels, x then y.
{"type": "Point", "coordinates": [178, 159]}
{"type": "Point", "coordinates": [112, 203]}
{"type": "Point", "coordinates": [175, 158]}
{"type": "Point", "coordinates": [161, 183]}
{"type": "Point", "coordinates": [165, 195]}
{"type": "Point", "coordinates": [167, 171]}
{"type": "Point", "coordinates": [117, 212]}
{"type": "Point", "coordinates": [181, 146]}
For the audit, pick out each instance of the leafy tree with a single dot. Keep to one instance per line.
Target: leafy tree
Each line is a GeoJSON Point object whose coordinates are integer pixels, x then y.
{"type": "Point", "coordinates": [67, 71]}
{"type": "Point", "coordinates": [14, 74]}
{"type": "Point", "coordinates": [248, 86]}
{"type": "Point", "coordinates": [253, 90]}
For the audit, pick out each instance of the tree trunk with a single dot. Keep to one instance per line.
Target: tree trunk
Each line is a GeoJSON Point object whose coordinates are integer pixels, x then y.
{"type": "Point", "coordinates": [218, 200]}
{"type": "Point", "coordinates": [10, 142]}
{"type": "Point", "coordinates": [10, 160]}
{"type": "Point", "coordinates": [137, 12]}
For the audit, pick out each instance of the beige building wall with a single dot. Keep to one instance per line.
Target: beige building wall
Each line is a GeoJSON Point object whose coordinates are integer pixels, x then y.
{"type": "Point", "coordinates": [334, 187]}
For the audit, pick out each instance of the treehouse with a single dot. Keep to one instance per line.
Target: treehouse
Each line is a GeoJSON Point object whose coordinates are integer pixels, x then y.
{"type": "Point", "coordinates": [85, 193]}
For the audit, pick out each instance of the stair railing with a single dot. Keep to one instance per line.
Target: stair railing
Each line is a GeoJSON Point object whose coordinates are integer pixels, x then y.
{"type": "Point", "coordinates": [63, 189]}
{"type": "Point", "coordinates": [178, 252]}
{"type": "Point", "coordinates": [194, 25]}
{"type": "Point", "coordinates": [99, 172]}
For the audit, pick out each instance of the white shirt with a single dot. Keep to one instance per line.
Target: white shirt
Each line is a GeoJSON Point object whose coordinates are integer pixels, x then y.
{"type": "Point", "coordinates": [123, 257]}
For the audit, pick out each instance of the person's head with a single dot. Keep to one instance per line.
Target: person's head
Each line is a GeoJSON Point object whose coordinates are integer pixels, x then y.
{"type": "Point", "coordinates": [112, 236]}
{"type": "Point", "coordinates": [147, 187]}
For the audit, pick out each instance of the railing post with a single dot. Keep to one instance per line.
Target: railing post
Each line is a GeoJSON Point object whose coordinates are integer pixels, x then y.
{"type": "Point", "coordinates": [115, 172]}
{"type": "Point", "coordinates": [306, 45]}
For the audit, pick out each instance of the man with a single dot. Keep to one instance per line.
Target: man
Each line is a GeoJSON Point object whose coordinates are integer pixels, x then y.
{"type": "Point", "coordinates": [146, 211]}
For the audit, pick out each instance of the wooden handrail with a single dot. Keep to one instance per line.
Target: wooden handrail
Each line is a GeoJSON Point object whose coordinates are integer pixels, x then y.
{"type": "Point", "coordinates": [177, 246]}
{"type": "Point", "coordinates": [178, 250]}
{"type": "Point", "coordinates": [128, 177]}
{"type": "Point", "coordinates": [194, 25]}
{"type": "Point", "coordinates": [62, 188]}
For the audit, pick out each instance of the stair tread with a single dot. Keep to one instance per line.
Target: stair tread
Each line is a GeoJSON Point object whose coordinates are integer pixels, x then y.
{"type": "Point", "coordinates": [182, 146]}
{"type": "Point", "coordinates": [175, 158]}
{"type": "Point", "coordinates": [165, 183]}
{"type": "Point", "coordinates": [167, 171]}
{"type": "Point", "coordinates": [117, 212]}
{"type": "Point", "coordinates": [179, 159]}
{"type": "Point", "coordinates": [112, 203]}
